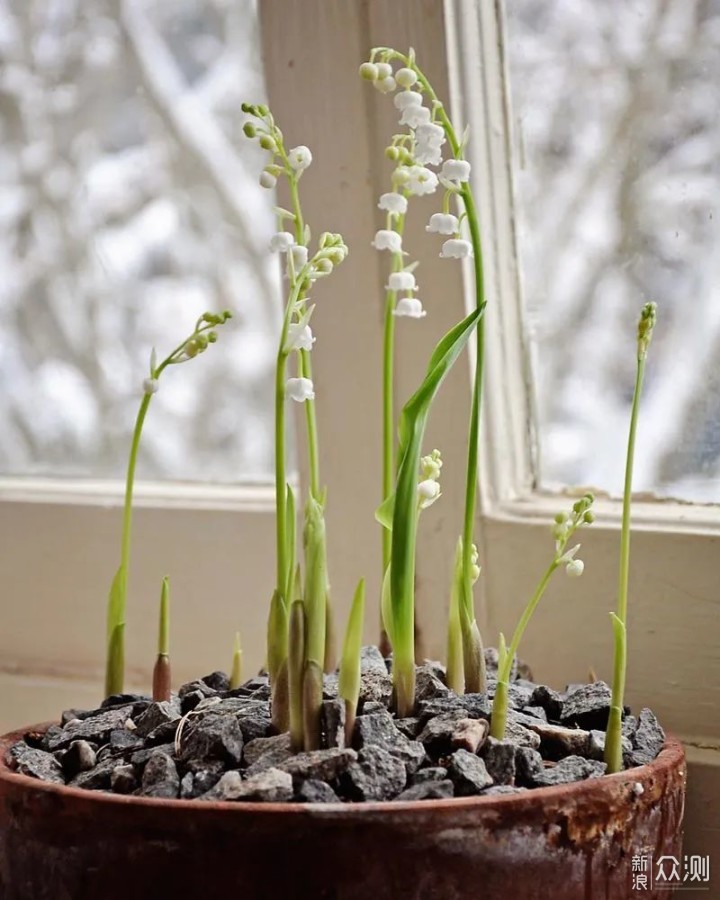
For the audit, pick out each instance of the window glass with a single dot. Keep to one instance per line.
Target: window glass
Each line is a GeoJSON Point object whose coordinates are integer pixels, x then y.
{"type": "Point", "coordinates": [129, 205]}
{"type": "Point", "coordinates": [617, 178]}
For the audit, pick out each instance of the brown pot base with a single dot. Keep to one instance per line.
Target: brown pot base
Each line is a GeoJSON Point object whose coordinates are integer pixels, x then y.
{"type": "Point", "coordinates": [573, 842]}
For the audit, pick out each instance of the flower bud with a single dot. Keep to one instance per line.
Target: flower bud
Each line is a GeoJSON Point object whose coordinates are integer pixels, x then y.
{"type": "Point", "coordinates": [268, 143]}
{"type": "Point", "coordinates": [249, 130]}
{"type": "Point", "coordinates": [212, 337]}
{"type": "Point", "coordinates": [267, 179]}
{"type": "Point", "coordinates": [151, 385]}
{"type": "Point", "coordinates": [588, 517]}
{"type": "Point", "coordinates": [575, 568]}
{"type": "Point", "coordinates": [384, 70]}
{"type": "Point", "coordinates": [392, 153]}
{"type": "Point", "coordinates": [323, 266]}
{"type": "Point", "coordinates": [406, 77]}
{"type": "Point", "coordinates": [369, 71]}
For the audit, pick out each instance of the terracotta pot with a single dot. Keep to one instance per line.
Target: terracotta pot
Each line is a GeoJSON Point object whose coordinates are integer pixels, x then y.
{"type": "Point", "coordinates": [574, 842]}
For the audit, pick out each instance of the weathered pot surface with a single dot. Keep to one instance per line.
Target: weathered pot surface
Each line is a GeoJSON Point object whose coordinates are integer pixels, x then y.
{"type": "Point", "coordinates": [572, 842]}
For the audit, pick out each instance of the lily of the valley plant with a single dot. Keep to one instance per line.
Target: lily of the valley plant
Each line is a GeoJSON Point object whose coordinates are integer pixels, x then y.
{"type": "Point", "coordinates": [428, 157]}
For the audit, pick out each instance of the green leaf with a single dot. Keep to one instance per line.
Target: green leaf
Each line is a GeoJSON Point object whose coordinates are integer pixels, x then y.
{"type": "Point", "coordinates": [277, 635]}
{"type": "Point", "coordinates": [290, 523]}
{"type": "Point", "coordinates": [349, 680]}
{"type": "Point", "coordinates": [164, 627]}
{"type": "Point", "coordinates": [384, 512]}
{"type": "Point", "coordinates": [116, 602]}
{"type": "Point", "coordinates": [411, 430]}
{"type": "Point", "coordinates": [441, 361]}
{"type": "Point", "coordinates": [413, 420]}
{"type": "Point", "coordinates": [315, 592]}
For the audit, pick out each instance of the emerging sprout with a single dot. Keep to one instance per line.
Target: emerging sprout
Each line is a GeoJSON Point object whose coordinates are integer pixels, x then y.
{"type": "Point", "coordinates": [161, 673]}
{"type": "Point", "coordinates": [236, 669]}
{"type": "Point", "coordinates": [350, 664]}
{"type": "Point", "coordinates": [613, 740]}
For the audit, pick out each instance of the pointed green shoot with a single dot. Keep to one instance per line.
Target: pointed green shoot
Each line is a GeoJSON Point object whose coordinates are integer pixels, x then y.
{"type": "Point", "coordinates": [162, 678]}
{"type": "Point", "coordinates": [350, 664]}
{"type": "Point", "coordinates": [613, 739]}
{"type": "Point", "coordinates": [413, 420]}
{"type": "Point", "coordinates": [236, 670]}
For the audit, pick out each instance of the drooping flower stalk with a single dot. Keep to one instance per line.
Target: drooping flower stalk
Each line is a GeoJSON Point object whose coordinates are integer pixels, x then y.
{"type": "Point", "coordinates": [613, 739]}
{"type": "Point", "coordinates": [429, 129]}
{"type": "Point", "coordinates": [202, 336]}
{"type": "Point", "coordinates": [564, 528]}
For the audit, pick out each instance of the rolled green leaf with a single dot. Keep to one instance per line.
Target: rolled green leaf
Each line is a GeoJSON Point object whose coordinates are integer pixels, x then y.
{"type": "Point", "coordinates": [236, 671]}
{"type": "Point", "coordinates": [330, 658]}
{"type": "Point", "coordinates": [291, 524]}
{"type": "Point", "coordinates": [115, 664]}
{"type": "Point", "coordinates": [455, 668]}
{"type": "Point", "coordinates": [276, 635]}
{"type": "Point", "coordinates": [411, 429]}
{"type": "Point", "coordinates": [162, 677]}
{"type": "Point", "coordinates": [350, 664]}
{"type": "Point", "coordinates": [315, 592]}
{"type": "Point", "coordinates": [312, 704]}
{"type": "Point", "coordinates": [295, 672]}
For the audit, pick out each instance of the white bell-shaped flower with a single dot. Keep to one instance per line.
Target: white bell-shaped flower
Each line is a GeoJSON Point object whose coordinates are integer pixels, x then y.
{"type": "Point", "coordinates": [267, 180]}
{"type": "Point", "coordinates": [414, 116]}
{"type": "Point", "coordinates": [428, 492]}
{"type": "Point", "coordinates": [299, 255]}
{"type": "Point", "coordinates": [422, 181]}
{"type": "Point", "coordinates": [430, 133]}
{"type": "Point", "coordinates": [393, 203]}
{"type": "Point", "coordinates": [384, 70]}
{"type": "Point", "coordinates": [299, 389]}
{"type": "Point", "coordinates": [401, 281]}
{"type": "Point", "coordinates": [406, 99]}
{"type": "Point", "coordinates": [281, 242]}
{"type": "Point", "coordinates": [575, 568]}
{"type": "Point", "coordinates": [386, 85]}
{"type": "Point", "coordinates": [427, 155]}
{"type": "Point", "coordinates": [443, 223]}
{"type": "Point", "coordinates": [409, 307]}
{"type": "Point", "coordinates": [299, 337]}
{"type": "Point", "coordinates": [299, 158]}
{"type": "Point", "coordinates": [387, 240]}
{"type": "Point", "coordinates": [456, 248]}
{"type": "Point", "coordinates": [456, 170]}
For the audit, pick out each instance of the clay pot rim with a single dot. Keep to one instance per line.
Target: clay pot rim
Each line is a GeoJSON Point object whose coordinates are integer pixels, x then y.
{"type": "Point", "coordinates": [671, 756]}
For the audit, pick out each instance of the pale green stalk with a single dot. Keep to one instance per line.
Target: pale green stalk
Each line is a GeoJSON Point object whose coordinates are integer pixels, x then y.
{"type": "Point", "coordinates": [500, 702]}
{"type": "Point", "coordinates": [236, 670]}
{"type": "Point", "coordinates": [613, 738]}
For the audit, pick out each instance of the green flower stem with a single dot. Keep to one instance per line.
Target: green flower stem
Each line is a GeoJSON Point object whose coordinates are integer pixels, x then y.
{"type": "Point", "coordinates": [388, 474]}
{"type": "Point", "coordinates": [388, 418]}
{"type": "Point", "coordinates": [500, 703]}
{"type": "Point", "coordinates": [280, 474]}
{"type": "Point", "coordinates": [613, 740]}
{"type": "Point", "coordinates": [305, 362]}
